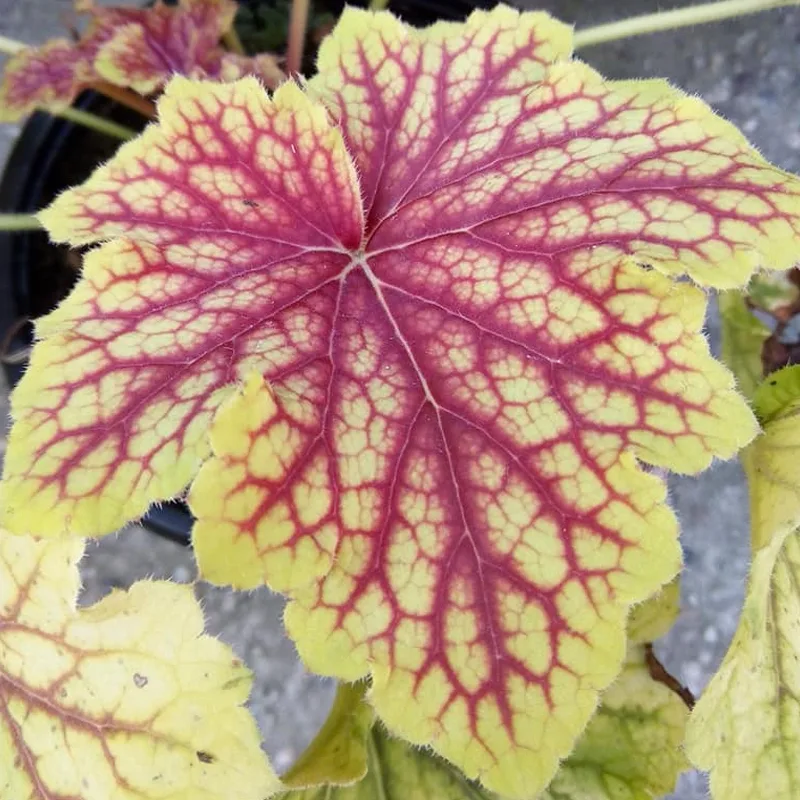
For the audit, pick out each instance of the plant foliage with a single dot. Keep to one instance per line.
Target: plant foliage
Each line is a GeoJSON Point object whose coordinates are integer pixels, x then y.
{"type": "Point", "coordinates": [409, 331]}
{"type": "Point", "coordinates": [630, 749]}
{"type": "Point", "coordinates": [119, 699]}
{"type": "Point", "coordinates": [134, 48]}
{"type": "Point", "coordinates": [746, 727]}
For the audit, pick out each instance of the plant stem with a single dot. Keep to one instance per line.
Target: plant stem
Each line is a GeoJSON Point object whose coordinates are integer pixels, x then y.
{"type": "Point", "coordinates": [677, 18]}
{"type": "Point", "coordinates": [659, 673]}
{"type": "Point", "coordinates": [11, 46]}
{"type": "Point", "coordinates": [126, 97]}
{"type": "Point", "coordinates": [378, 5]}
{"type": "Point", "coordinates": [232, 41]}
{"type": "Point", "coordinates": [297, 36]}
{"type": "Point", "coordinates": [19, 222]}
{"type": "Point", "coordinates": [89, 120]}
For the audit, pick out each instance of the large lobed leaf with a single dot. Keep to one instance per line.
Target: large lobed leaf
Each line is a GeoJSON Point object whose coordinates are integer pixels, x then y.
{"type": "Point", "coordinates": [136, 48]}
{"type": "Point", "coordinates": [119, 701]}
{"type": "Point", "coordinates": [456, 325]}
{"type": "Point", "coordinates": [746, 727]}
{"type": "Point", "coordinates": [631, 749]}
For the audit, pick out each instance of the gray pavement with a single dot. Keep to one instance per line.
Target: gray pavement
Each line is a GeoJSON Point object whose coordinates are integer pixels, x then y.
{"type": "Point", "coordinates": [748, 71]}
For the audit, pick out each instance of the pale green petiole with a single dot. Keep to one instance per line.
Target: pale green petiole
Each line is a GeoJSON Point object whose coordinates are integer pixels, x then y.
{"type": "Point", "coordinates": [11, 46]}
{"type": "Point", "coordinates": [19, 222]}
{"type": "Point", "coordinates": [677, 18]}
{"type": "Point", "coordinates": [99, 124]}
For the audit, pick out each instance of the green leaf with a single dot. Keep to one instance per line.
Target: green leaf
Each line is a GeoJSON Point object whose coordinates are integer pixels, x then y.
{"type": "Point", "coordinates": [775, 396]}
{"type": "Point", "coordinates": [746, 727]}
{"type": "Point", "coordinates": [397, 771]}
{"type": "Point", "coordinates": [632, 747]}
{"type": "Point", "coordinates": [652, 619]}
{"type": "Point", "coordinates": [743, 336]}
{"type": "Point", "coordinates": [338, 754]}
{"type": "Point", "coordinates": [771, 462]}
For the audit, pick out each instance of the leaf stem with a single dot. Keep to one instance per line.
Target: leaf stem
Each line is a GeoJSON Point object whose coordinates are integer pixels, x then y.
{"type": "Point", "coordinates": [126, 97]}
{"type": "Point", "coordinates": [659, 673]}
{"type": "Point", "coordinates": [378, 5]}
{"type": "Point", "coordinates": [89, 120]}
{"type": "Point", "coordinates": [232, 41]}
{"type": "Point", "coordinates": [676, 18]}
{"type": "Point", "coordinates": [19, 222]}
{"type": "Point", "coordinates": [11, 46]}
{"type": "Point", "coordinates": [297, 36]}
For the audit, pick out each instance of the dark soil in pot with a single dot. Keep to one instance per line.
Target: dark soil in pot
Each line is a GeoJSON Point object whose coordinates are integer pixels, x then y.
{"type": "Point", "coordinates": [53, 154]}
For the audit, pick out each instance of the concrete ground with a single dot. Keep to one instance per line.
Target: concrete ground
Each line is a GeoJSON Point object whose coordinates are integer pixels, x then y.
{"type": "Point", "coordinates": [748, 71]}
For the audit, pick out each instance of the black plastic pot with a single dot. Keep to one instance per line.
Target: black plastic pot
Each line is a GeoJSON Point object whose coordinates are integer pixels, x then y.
{"type": "Point", "coordinates": [35, 173]}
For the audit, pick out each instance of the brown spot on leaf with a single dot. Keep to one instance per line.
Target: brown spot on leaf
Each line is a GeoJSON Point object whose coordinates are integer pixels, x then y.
{"type": "Point", "coordinates": [140, 680]}
{"type": "Point", "coordinates": [206, 758]}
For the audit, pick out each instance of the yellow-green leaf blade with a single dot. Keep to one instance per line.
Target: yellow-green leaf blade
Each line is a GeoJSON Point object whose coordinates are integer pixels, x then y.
{"type": "Point", "coordinates": [632, 746]}
{"type": "Point", "coordinates": [119, 701]}
{"type": "Point", "coordinates": [743, 337]}
{"type": "Point", "coordinates": [775, 397]}
{"type": "Point", "coordinates": [650, 620]}
{"type": "Point", "coordinates": [771, 462]}
{"type": "Point", "coordinates": [746, 727]}
{"type": "Point", "coordinates": [398, 771]}
{"type": "Point", "coordinates": [631, 749]}
{"type": "Point", "coordinates": [338, 755]}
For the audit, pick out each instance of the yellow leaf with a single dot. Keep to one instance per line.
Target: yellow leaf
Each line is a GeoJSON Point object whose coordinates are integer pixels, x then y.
{"type": "Point", "coordinates": [125, 700]}
{"type": "Point", "coordinates": [746, 727]}
{"type": "Point", "coordinates": [743, 337]}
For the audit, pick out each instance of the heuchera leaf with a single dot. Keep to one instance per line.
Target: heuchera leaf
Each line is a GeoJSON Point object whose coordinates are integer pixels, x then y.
{"type": "Point", "coordinates": [632, 746]}
{"type": "Point", "coordinates": [650, 620]}
{"type": "Point", "coordinates": [142, 49]}
{"type": "Point", "coordinates": [43, 77]}
{"type": "Point", "coordinates": [746, 727]}
{"type": "Point", "coordinates": [775, 394]}
{"type": "Point", "coordinates": [119, 700]}
{"type": "Point", "coordinates": [631, 750]}
{"type": "Point", "coordinates": [771, 461]}
{"type": "Point", "coordinates": [136, 48]}
{"type": "Point", "coordinates": [398, 771]}
{"type": "Point", "coordinates": [743, 337]}
{"type": "Point", "coordinates": [157, 43]}
{"type": "Point", "coordinates": [458, 326]}
{"type": "Point", "coordinates": [338, 755]}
